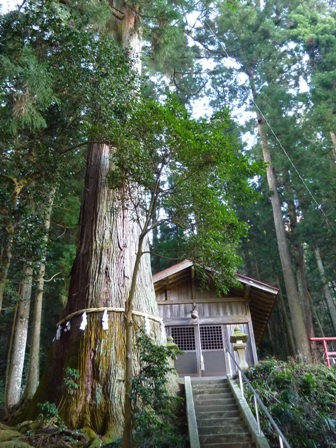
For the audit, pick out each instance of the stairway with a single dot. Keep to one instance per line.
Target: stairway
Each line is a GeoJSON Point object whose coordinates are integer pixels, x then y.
{"type": "Point", "coordinates": [219, 422]}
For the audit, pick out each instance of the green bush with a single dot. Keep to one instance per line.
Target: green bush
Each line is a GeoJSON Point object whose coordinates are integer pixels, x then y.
{"type": "Point", "coordinates": [156, 412]}
{"type": "Point", "coordinates": [70, 380]}
{"type": "Point", "coordinates": [49, 414]}
{"type": "Point", "coordinates": [302, 400]}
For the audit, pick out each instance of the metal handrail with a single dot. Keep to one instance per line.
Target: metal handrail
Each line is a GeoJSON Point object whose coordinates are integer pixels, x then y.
{"type": "Point", "coordinates": [257, 400]}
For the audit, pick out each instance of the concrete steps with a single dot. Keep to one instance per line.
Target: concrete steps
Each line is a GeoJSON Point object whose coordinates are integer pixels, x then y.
{"type": "Point", "coordinates": [219, 422]}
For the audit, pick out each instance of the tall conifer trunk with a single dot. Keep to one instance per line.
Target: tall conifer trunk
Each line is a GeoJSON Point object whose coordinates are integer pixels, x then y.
{"type": "Point", "coordinates": [287, 326]}
{"type": "Point", "coordinates": [93, 358]}
{"type": "Point", "coordinates": [301, 275]}
{"type": "Point", "coordinates": [331, 305]}
{"type": "Point", "coordinates": [296, 313]}
{"type": "Point", "coordinates": [101, 278]}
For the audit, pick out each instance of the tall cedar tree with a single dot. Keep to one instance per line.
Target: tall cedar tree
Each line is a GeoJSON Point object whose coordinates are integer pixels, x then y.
{"type": "Point", "coordinates": [133, 151]}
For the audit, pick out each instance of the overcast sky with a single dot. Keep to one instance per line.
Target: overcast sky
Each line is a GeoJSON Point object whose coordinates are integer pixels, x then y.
{"type": "Point", "coordinates": [8, 4]}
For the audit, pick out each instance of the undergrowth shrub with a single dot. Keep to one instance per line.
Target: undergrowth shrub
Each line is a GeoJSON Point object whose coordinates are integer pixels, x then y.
{"type": "Point", "coordinates": [301, 399]}
{"type": "Point", "coordinates": [156, 412]}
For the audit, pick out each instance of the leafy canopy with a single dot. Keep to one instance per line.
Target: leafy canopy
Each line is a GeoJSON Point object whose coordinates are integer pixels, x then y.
{"type": "Point", "coordinates": [61, 83]}
{"type": "Point", "coordinates": [192, 170]}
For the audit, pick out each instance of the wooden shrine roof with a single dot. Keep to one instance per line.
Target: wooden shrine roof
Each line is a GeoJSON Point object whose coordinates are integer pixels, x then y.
{"type": "Point", "coordinates": [261, 296]}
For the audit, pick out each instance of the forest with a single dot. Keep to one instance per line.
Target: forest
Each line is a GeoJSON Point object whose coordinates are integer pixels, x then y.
{"type": "Point", "coordinates": [138, 134]}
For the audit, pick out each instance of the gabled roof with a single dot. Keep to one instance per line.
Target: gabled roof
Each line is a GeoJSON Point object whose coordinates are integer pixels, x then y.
{"type": "Point", "coordinates": [261, 296]}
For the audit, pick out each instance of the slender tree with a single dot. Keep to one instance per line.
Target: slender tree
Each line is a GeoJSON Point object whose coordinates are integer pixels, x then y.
{"type": "Point", "coordinates": [35, 342]}
{"type": "Point", "coordinates": [252, 37]}
{"type": "Point", "coordinates": [16, 353]}
{"type": "Point", "coordinates": [327, 292]}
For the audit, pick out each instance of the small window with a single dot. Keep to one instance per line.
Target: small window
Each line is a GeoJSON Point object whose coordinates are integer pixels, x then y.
{"type": "Point", "coordinates": [184, 337]}
{"type": "Point", "coordinates": [211, 337]}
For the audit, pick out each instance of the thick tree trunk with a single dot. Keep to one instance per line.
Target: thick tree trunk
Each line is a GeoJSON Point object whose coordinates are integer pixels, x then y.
{"type": "Point", "coordinates": [34, 358]}
{"type": "Point", "coordinates": [331, 305]}
{"type": "Point", "coordinates": [86, 375]}
{"type": "Point", "coordinates": [308, 305]}
{"type": "Point", "coordinates": [316, 316]}
{"type": "Point", "coordinates": [288, 327]}
{"type": "Point", "coordinates": [125, 27]}
{"type": "Point", "coordinates": [101, 278]}
{"type": "Point", "coordinates": [299, 329]}
{"type": "Point", "coordinates": [127, 432]}
{"type": "Point", "coordinates": [300, 267]}
{"type": "Point", "coordinates": [17, 350]}
{"type": "Point", "coordinates": [304, 292]}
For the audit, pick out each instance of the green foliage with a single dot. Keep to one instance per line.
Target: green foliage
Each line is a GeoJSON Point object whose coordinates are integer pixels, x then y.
{"type": "Point", "coordinates": [168, 247]}
{"type": "Point", "coordinates": [283, 55]}
{"type": "Point", "coordinates": [302, 400]}
{"type": "Point", "coordinates": [48, 412]}
{"type": "Point", "coordinates": [156, 411]}
{"type": "Point", "coordinates": [193, 171]}
{"type": "Point", "coordinates": [168, 50]}
{"type": "Point", "coordinates": [61, 83]}
{"type": "Point", "coordinates": [70, 380]}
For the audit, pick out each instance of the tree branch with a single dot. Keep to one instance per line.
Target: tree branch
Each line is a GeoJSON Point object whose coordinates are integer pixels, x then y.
{"type": "Point", "coordinates": [51, 278]}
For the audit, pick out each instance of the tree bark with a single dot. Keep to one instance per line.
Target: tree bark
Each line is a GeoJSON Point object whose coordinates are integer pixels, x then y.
{"type": "Point", "coordinates": [128, 413]}
{"type": "Point", "coordinates": [331, 306]}
{"type": "Point", "coordinates": [34, 358]}
{"type": "Point", "coordinates": [288, 326]}
{"type": "Point", "coordinates": [127, 432]}
{"type": "Point", "coordinates": [106, 274]}
{"type": "Point", "coordinates": [299, 329]}
{"type": "Point", "coordinates": [125, 27]}
{"type": "Point", "coordinates": [101, 277]}
{"type": "Point", "coordinates": [17, 350]}
{"type": "Point", "coordinates": [319, 324]}
{"type": "Point", "coordinates": [304, 292]}
{"type": "Point", "coordinates": [6, 257]}
{"type": "Point", "coordinates": [300, 268]}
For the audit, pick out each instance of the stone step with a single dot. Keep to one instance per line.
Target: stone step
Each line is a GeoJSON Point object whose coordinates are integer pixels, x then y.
{"type": "Point", "coordinates": [219, 422]}
{"type": "Point", "coordinates": [229, 445]}
{"type": "Point", "coordinates": [207, 380]}
{"type": "Point", "coordinates": [210, 387]}
{"type": "Point", "coordinates": [211, 392]}
{"type": "Point", "coordinates": [215, 407]}
{"type": "Point", "coordinates": [206, 439]}
{"type": "Point", "coordinates": [224, 400]}
{"type": "Point", "coordinates": [223, 430]}
{"type": "Point", "coordinates": [223, 414]}
{"type": "Point", "coordinates": [206, 421]}
{"type": "Point", "coordinates": [206, 399]}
